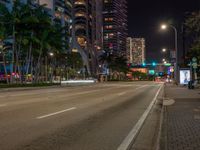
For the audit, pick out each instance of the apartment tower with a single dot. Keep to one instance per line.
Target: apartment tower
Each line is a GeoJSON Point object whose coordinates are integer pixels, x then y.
{"type": "Point", "coordinates": [115, 26]}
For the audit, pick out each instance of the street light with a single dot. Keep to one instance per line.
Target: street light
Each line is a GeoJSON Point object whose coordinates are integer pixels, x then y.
{"type": "Point", "coordinates": [51, 54]}
{"type": "Point", "coordinates": [164, 27]}
{"type": "Point", "coordinates": [164, 50]}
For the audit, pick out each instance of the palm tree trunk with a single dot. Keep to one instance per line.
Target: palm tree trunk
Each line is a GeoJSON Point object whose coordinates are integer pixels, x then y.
{"type": "Point", "coordinates": [17, 63]}
{"type": "Point", "coordinates": [13, 56]}
{"type": "Point", "coordinates": [31, 68]}
{"type": "Point", "coordinates": [29, 54]}
{"type": "Point", "coordinates": [5, 70]}
{"type": "Point", "coordinates": [38, 64]}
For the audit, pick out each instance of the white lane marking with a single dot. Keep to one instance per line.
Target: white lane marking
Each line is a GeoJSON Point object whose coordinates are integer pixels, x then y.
{"type": "Point", "coordinates": [55, 113]}
{"type": "Point", "coordinates": [117, 85]}
{"type": "Point", "coordinates": [3, 105]}
{"type": "Point", "coordinates": [125, 145]}
{"type": "Point", "coordinates": [122, 93]}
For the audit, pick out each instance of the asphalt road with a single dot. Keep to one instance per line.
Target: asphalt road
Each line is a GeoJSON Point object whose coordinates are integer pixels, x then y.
{"type": "Point", "coordinates": [94, 117]}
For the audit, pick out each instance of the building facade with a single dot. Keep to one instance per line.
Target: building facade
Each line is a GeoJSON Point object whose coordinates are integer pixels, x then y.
{"type": "Point", "coordinates": [82, 22]}
{"type": "Point", "coordinates": [87, 32]}
{"type": "Point", "coordinates": [61, 12]}
{"type": "Point", "coordinates": [83, 19]}
{"type": "Point", "coordinates": [129, 50]}
{"type": "Point", "coordinates": [115, 26]}
{"type": "Point", "coordinates": [135, 50]}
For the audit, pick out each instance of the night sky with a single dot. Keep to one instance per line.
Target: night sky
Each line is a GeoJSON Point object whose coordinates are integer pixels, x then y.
{"type": "Point", "coordinates": [145, 17]}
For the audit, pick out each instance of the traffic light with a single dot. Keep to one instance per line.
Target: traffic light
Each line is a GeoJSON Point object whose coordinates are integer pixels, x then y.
{"type": "Point", "coordinates": [167, 64]}
{"type": "Point", "coordinates": [143, 64]}
{"type": "Point", "coordinates": [153, 64]}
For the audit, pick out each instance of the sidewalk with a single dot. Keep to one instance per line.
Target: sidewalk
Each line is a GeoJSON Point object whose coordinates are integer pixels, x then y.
{"type": "Point", "coordinates": [181, 122]}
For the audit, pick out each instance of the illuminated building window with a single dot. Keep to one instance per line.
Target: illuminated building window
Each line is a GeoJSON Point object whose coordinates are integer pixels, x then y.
{"type": "Point", "coordinates": [111, 35]}
{"type": "Point", "coordinates": [80, 14]}
{"type": "Point", "coordinates": [80, 2]}
{"type": "Point", "coordinates": [108, 19]}
{"type": "Point", "coordinates": [81, 41]}
{"type": "Point", "coordinates": [108, 27]}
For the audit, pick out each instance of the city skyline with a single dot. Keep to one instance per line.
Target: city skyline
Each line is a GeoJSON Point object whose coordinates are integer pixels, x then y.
{"type": "Point", "coordinates": [145, 17]}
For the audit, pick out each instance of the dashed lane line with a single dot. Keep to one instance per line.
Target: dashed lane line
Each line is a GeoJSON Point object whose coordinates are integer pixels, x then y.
{"type": "Point", "coordinates": [3, 105]}
{"type": "Point", "coordinates": [55, 113]}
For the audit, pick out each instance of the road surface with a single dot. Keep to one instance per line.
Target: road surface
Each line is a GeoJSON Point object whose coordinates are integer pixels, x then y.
{"type": "Point", "coordinates": [93, 117]}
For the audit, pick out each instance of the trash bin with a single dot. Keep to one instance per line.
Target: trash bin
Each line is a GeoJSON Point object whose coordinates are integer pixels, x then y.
{"type": "Point", "coordinates": [191, 85]}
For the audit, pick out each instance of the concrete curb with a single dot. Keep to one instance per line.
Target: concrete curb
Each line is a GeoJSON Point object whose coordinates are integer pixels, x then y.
{"type": "Point", "coordinates": [161, 120]}
{"type": "Point", "coordinates": [157, 102]}
{"type": "Point", "coordinates": [43, 87]}
{"type": "Point", "coordinates": [161, 133]}
{"type": "Point", "coordinates": [26, 88]}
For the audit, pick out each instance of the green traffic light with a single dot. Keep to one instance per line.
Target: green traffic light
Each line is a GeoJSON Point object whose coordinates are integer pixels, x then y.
{"type": "Point", "coordinates": [168, 64]}
{"type": "Point", "coordinates": [154, 64]}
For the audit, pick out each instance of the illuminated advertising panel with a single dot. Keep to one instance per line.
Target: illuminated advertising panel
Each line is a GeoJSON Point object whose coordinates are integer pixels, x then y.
{"type": "Point", "coordinates": [185, 76]}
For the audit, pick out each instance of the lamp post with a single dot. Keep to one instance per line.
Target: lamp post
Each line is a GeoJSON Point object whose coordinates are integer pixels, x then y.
{"type": "Point", "coordinates": [164, 27]}
{"type": "Point", "coordinates": [51, 54]}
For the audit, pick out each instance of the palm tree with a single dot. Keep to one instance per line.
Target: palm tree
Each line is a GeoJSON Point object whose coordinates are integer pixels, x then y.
{"type": "Point", "coordinates": [6, 31]}
{"type": "Point", "coordinates": [33, 35]}
{"type": "Point", "coordinates": [192, 25]}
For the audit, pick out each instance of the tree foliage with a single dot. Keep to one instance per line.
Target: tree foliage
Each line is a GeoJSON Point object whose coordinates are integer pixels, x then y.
{"type": "Point", "coordinates": [33, 35]}
{"type": "Point", "coordinates": [192, 24]}
{"type": "Point", "coordinates": [114, 62]}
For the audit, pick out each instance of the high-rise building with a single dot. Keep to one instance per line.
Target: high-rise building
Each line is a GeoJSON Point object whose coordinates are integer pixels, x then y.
{"type": "Point", "coordinates": [135, 50]}
{"type": "Point", "coordinates": [129, 50]}
{"type": "Point", "coordinates": [4, 1]}
{"type": "Point", "coordinates": [87, 32]}
{"type": "Point", "coordinates": [82, 22]}
{"type": "Point", "coordinates": [115, 26]}
{"type": "Point", "coordinates": [97, 33]}
{"type": "Point", "coordinates": [8, 3]}
{"type": "Point", "coordinates": [61, 12]}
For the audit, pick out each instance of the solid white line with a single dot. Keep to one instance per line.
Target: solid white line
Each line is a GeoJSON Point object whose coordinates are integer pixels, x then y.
{"type": "Point", "coordinates": [55, 113]}
{"type": "Point", "coordinates": [125, 145]}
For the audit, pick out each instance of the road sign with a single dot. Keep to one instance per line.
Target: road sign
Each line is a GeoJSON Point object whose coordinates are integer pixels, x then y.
{"type": "Point", "coordinates": [168, 64]}
{"type": "Point", "coordinates": [194, 65]}
{"type": "Point", "coordinates": [194, 59]}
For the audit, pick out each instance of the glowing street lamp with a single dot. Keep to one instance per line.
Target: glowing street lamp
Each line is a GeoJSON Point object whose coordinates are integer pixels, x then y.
{"type": "Point", "coordinates": [164, 27]}
{"type": "Point", "coordinates": [51, 54]}
{"type": "Point", "coordinates": [164, 50]}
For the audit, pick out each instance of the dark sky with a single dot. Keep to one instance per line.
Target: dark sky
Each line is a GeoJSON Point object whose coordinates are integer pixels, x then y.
{"type": "Point", "coordinates": [145, 17]}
